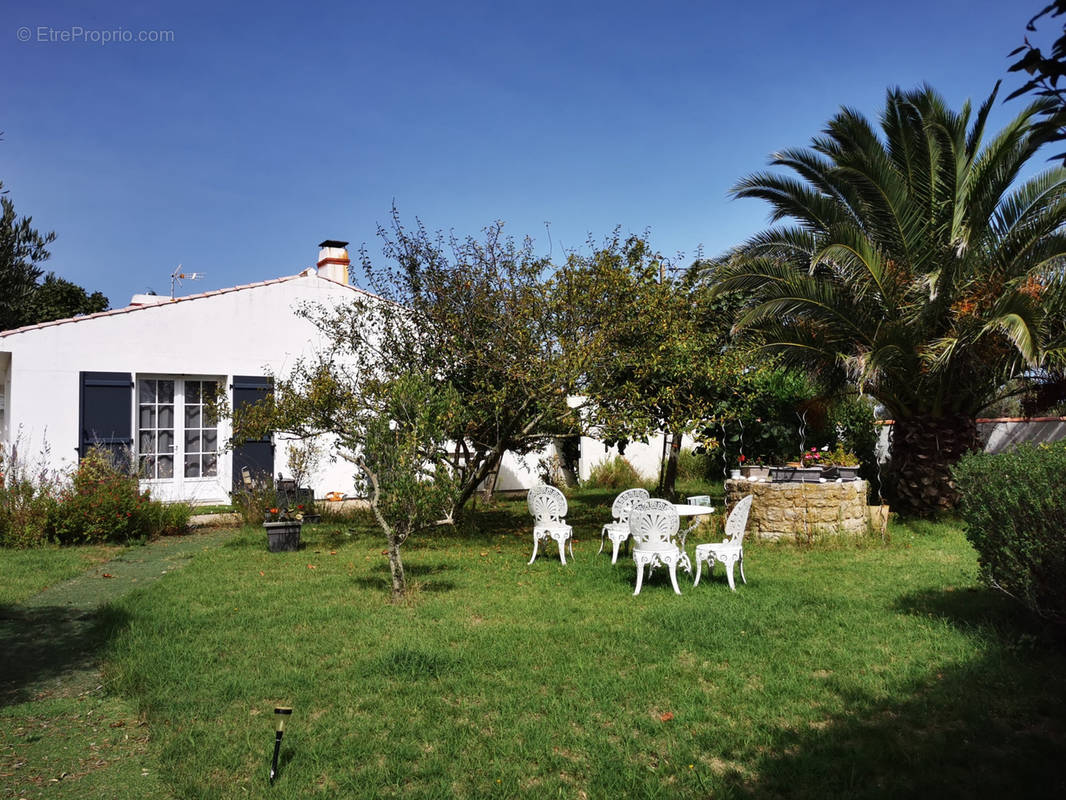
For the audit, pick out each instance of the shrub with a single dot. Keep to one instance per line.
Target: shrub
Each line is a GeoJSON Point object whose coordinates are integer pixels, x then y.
{"type": "Point", "coordinates": [163, 519]}
{"type": "Point", "coordinates": [27, 497]}
{"type": "Point", "coordinates": [100, 504]}
{"type": "Point", "coordinates": [616, 473]}
{"type": "Point", "coordinates": [1014, 508]}
{"type": "Point", "coordinates": [693, 467]}
{"type": "Point", "coordinates": [252, 502]}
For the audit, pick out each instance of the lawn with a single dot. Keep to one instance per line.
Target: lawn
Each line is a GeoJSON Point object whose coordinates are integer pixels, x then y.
{"type": "Point", "coordinates": [865, 669]}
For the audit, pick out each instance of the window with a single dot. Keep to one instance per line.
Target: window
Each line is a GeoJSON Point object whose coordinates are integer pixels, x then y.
{"type": "Point", "coordinates": [177, 433]}
{"type": "Point", "coordinates": [156, 428]}
{"type": "Point", "coordinates": [201, 430]}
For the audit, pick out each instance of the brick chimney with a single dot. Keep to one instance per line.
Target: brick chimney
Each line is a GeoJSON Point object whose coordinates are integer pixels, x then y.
{"type": "Point", "coordinates": [333, 261]}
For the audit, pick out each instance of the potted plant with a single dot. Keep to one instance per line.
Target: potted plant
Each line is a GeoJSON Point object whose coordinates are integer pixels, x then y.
{"type": "Point", "coordinates": [283, 528]}
{"type": "Point", "coordinates": [841, 463]}
{"type": "Point", "coordinates": [807, 470]}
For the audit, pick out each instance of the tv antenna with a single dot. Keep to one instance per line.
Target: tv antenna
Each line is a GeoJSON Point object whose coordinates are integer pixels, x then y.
{"type": "Point", "coordinates": [179, 276]}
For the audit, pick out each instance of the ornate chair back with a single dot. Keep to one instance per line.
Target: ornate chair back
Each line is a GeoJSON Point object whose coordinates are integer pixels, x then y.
{"type": "Point", "coordinates": [624, 503]}
{"type": "Point", "coordinates": [547, 504]}
{"type": "Point", "coordinates": [654, 525]}
{"type": "Point", "coordinates": [737, 521]}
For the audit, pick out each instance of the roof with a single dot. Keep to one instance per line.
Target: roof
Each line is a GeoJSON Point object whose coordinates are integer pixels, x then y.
{"type": "Point", "coordinates": [308, 273]}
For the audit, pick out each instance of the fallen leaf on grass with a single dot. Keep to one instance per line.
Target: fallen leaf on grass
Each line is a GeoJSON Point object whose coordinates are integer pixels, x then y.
{"type": "Point", "coordinates": [261, 572]}
{"type": "Point", "coordinates": [669, 715]}
{"type": "Point", "coordinates": [311, 566]}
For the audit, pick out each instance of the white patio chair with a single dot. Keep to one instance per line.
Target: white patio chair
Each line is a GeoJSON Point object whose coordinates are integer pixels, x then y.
{"type": "Point", "coordinates": [548, 507]}
{"type": "Point", "coordinates": [618, 531]}
{"type": "Point", "coordinates": [653, 524]}
{"type": "Point", "coordinates": [730, 550]}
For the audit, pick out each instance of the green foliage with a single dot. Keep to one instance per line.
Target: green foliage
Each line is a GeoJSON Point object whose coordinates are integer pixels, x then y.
{"type": "Point", "coordinates": [486, 319]}
{"type": "Point", "coordinates": [762, 416]}
{"type": "Point", "coordinates": [403, 454]}
{"type": "Point", "coordinates": [253, 502]}
{"type": "Point", "coordinates": [933, 296]}
{"type": "Point", "coordinates": [27, 497]}
{"type": "Point", "coordinates": [1045, 71]}
{"type": "Point", "coordinates": [97, 502]}
{"type": "Point", "coordinates": [25, 300]}
{"type": "Point", "coordinates": [615, 473]}
{"type": "Point", "coordinates": [58, 298]}
{"type": "Point", "coordinates": [100, 504]}
{"type": "Point", "coordinates": [693, 466]}
{"type": "Point", "coordinates": [662, 359]}
{"type": "Point", "coordinates": [1014, 507]}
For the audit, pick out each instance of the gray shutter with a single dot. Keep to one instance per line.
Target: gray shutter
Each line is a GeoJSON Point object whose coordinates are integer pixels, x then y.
{"type": "Point", "coordinates": [256, 454]}
{"type": "Point", "coordinates": [105, 413]}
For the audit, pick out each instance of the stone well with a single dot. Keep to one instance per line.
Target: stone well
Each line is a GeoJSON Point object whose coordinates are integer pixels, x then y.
{"type": "Point", "coordinates": [801, 510]}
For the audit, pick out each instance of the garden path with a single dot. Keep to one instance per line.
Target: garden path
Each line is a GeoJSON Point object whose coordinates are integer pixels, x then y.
{"type": "Point", "coordinates": [60, 735]}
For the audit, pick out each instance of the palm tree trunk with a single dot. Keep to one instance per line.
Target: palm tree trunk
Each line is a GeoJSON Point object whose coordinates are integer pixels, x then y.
{"type": "Point", "coordinates": [923, 451]}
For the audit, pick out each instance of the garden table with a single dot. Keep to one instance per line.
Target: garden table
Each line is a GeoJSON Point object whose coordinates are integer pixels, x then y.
{"type": "Point", "coordinates": [688, 510]}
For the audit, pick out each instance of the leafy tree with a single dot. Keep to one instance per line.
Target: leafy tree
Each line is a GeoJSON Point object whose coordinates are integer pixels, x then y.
{"type": "Point", "coordinates": [486, 320]}
{"type": "Point", "coordinates": [58, 298]}
{"type": "Point", "coordinates": [26, 300]}
{"type": "Point", "coordinates": [661, 359]}
{"type": "Point", "coordinates": [1045, 71]}
{"type": "Point", "coordinates": [22, 249]}
{"type": "Point", "coordinates": [394, 430]}
{"type": "Point", "coordinates": [916, 269]}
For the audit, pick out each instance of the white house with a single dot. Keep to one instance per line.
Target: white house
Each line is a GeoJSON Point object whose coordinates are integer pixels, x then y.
{"type": "Point", "coordinates": [137, 377]}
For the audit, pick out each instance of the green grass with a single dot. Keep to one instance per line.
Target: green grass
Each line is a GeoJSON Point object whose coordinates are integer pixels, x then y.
{"type": "Point", "coordinates": [216, 509]}
{"type": "Point", "coordinates": [842, 670]}
{"type": "Point", "coordinates": [27, 572]}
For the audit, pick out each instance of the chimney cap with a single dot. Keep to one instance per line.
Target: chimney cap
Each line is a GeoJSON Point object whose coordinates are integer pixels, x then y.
{"type": "Point", "coordinates": [333, 243]}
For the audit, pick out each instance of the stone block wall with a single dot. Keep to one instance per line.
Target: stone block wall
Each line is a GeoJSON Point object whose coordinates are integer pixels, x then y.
{"type": "Point", "coordinates": [801, 510]}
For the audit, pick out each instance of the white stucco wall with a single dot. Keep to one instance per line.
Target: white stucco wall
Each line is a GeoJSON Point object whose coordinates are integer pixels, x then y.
{"type": "Point", "coordinates": [247, 331]}
{"type": "Point", "coordinates": [645, 457]}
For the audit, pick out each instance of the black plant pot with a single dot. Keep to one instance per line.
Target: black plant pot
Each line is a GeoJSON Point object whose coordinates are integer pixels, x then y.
{"type": "Point", "coordinates": [843, 473]}
{"type": "Point", "coordinates": [283, 536]}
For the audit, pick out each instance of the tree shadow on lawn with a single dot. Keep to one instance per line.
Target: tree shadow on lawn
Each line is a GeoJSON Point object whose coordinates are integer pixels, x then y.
{"type": "Point", "coordinates": [40, 646]}
{"type": "Point", "coordinates": [989, 727]}
{"type": "Point", "coordinates": [420, 577]}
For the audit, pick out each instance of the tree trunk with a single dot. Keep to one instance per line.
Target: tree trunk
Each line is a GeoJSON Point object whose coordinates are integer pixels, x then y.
{"type": "Point", "coordinates": [399, 579]}
{"type": "Point", "coordinates": [923, 450]}
{"type": "Point", "coordinates": [666, 488]}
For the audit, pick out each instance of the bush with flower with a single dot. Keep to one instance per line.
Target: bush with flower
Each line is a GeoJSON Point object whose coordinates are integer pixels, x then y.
{"type": "Point", "coordinates": [813, 457]}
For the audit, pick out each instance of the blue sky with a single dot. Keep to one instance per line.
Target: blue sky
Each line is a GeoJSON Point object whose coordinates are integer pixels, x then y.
{"type": "Point", "coordinates": [262, 129]}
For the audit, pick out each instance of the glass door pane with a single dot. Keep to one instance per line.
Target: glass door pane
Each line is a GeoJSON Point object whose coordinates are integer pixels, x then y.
{"type": "Point", "coordinates": [155, 429]}
{"type": "Point", "coordinates": [201, 433]}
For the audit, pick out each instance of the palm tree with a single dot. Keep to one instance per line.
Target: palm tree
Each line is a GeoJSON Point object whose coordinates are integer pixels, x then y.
{"type": "Point", "coordinates": [915, 269]}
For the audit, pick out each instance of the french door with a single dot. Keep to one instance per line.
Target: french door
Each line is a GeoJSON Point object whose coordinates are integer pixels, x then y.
{"type": "Point", "coordinates": [177, 435]}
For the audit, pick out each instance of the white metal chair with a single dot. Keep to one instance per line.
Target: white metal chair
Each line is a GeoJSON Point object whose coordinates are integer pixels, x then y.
{"type": "Point", "coordinates": [730, 551]}
{"type": "Point", "coordinates": [653, 524]}
{"type": "Point", "coordinates": [548, 507]}
{"type": "Point", "coordinates": [618, 531]}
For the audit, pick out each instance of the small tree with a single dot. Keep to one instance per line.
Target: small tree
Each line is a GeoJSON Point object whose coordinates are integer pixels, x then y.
{"type": "Point", "coordinates": [661, 359]}
{"type": "Point", "coordinates": [485, 317]}
{"type": "Point", "coordinates": [394, 430]}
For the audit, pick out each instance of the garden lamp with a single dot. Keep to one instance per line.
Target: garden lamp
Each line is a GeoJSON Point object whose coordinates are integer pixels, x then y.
{"type": "Point", "coordinates": [280, 714]}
